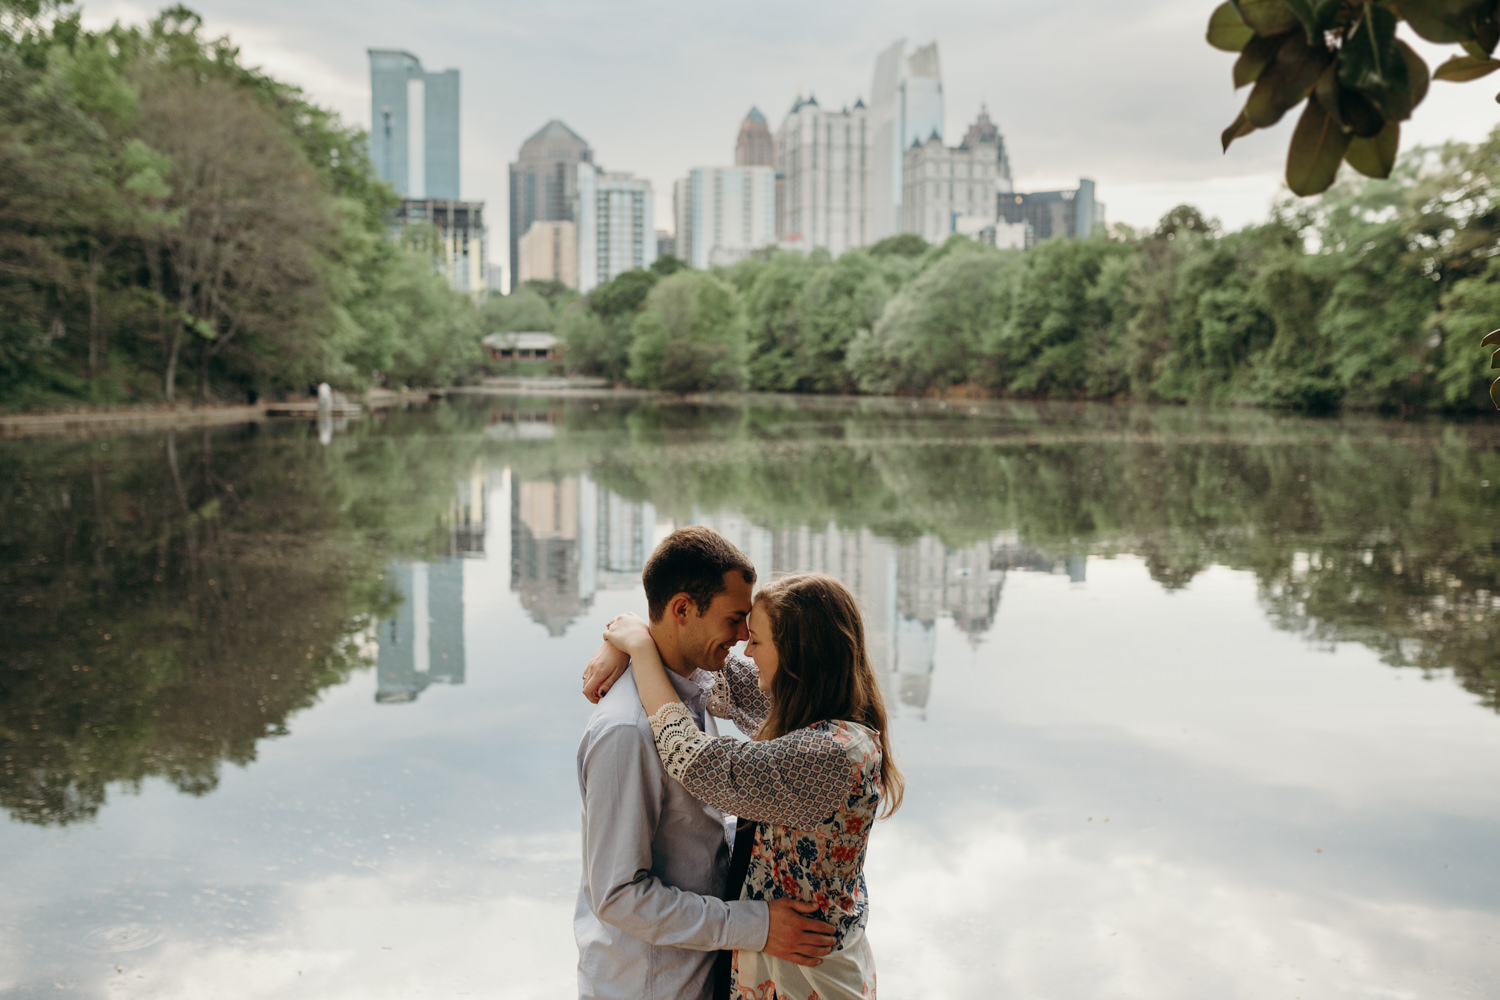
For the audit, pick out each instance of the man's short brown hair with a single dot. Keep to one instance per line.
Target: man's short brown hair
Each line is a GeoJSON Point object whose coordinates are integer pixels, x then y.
{"type": "Point", "coordinates": [691, 561]}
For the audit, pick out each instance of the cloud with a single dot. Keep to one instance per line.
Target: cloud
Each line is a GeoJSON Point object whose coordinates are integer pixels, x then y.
{"type": "Point", "coordinates": [989, 909]}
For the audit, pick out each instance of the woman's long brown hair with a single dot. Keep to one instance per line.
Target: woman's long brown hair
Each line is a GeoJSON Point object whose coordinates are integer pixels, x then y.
{"type": "Point", "coordinates": [823, 670]}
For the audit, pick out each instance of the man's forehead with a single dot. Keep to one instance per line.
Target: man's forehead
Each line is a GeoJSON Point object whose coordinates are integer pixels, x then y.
{"type": "Point", "coordinates": [734, 599]}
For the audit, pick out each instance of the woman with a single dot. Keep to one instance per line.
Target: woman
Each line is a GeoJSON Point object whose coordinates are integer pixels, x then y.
{"type": "Point", "coordinates": [812, 778]}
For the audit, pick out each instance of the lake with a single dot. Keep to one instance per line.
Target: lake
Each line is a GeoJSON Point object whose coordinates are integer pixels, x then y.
{"type": "Point", "coordinates": [1191, 703]}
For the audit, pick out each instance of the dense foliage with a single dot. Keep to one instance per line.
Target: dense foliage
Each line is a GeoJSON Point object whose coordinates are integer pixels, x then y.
{"type": "Point", "coordinates": [1374, 295]}
{"type": "Point", "coordinates": [171, 220]}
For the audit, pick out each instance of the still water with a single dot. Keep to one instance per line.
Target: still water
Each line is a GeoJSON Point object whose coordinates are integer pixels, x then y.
{"type": "Point", "coordinates": [1191, 704]}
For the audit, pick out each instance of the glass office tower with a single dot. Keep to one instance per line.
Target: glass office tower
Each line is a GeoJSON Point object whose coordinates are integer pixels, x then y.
{"type": "Point", "coordinates": [413, 125]}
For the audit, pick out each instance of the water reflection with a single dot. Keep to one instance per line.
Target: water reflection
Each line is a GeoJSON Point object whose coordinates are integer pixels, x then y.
{"type": "Point", "coordinates": [1172, 620]}
{"type": "Point", "coordinates": [572, 538]}
{"type": "Point", "coordinates": [423, 643]}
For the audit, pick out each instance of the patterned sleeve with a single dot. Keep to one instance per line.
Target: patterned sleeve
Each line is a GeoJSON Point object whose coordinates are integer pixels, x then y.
{"type": "Point", "coordinates": [737, 695]}
{"type": "Point", "coordinates": [797, 780]}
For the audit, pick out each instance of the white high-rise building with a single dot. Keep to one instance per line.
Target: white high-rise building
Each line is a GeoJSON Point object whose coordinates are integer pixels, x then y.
{"type": "Point", "coordinates": [724, 214]}
{"type": "Point", "coordinates": [955, 189]}
{"type": "Point", "coordinates": [906, 106]}
{"type": "Point", "coordinates": [825, 158]}
{"type": "Point", "coordinates": [616, 225]}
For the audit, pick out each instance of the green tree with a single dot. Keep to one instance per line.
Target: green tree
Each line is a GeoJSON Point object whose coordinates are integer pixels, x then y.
{"type": "Point", "coordinates": [938, 332]}
{"type": "Point", "coordinates": [524, 309]}
{"type": "Point", "coordinates": [835, 305]}
{"type": "Point", "coordinates": [689, 336]}
{"type": "Point", "coordinates": [773, 302]}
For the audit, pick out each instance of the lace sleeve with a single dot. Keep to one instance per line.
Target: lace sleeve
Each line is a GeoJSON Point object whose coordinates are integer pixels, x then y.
{"type": "Point", "coordinates": [797, 780]}
{"type": "Point", "coordinates": [737, 695]}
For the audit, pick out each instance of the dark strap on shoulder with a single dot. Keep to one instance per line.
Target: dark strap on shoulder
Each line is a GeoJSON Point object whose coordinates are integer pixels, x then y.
{"type": "Point", "coordinates": [739, 864]}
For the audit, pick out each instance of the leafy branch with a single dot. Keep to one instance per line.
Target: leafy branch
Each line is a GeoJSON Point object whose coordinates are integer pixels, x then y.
{"type": "Point", "coordinates": [1357, 81]}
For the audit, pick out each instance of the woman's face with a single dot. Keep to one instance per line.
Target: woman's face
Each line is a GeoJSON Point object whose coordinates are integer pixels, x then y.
{"type": "Point", "coordinates": [760, 648]}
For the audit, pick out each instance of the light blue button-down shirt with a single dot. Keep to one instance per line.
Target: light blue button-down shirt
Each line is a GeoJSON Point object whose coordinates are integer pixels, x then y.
{"type": "Point", "coordinates": [655, 862]}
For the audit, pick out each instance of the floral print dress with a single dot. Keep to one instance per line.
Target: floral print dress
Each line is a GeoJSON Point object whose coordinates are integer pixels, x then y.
{"type": "Point", "coordinates": [814, 793]}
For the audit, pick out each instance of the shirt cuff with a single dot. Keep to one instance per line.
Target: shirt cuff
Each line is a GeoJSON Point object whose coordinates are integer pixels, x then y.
{"type": "Point", "coordinates": [749, 925]}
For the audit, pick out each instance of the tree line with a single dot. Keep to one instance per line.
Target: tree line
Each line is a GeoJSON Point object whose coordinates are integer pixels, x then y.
{"type": "Point", "coordinates": [1375, 295]}
{"type": "Point", "coordinates": [174, 223]}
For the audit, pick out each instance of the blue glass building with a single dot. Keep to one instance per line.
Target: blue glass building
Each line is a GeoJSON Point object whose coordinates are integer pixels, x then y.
{"type": "Point", "coordinates": [413, 125]}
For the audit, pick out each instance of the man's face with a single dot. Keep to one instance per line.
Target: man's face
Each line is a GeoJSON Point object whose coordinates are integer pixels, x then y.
{"type": "Point", "coordinates": [705, 639]}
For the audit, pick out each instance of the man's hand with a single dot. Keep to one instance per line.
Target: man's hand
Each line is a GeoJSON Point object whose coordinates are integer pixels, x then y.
{"type": "Point", "coordinates": [795, 938]}
{"type": "Point", "coordinates": [604, 668]}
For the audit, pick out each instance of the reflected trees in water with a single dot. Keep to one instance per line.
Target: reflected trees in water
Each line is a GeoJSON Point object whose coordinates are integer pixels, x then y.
{"type": "Point", "coordinates": [171, 600]}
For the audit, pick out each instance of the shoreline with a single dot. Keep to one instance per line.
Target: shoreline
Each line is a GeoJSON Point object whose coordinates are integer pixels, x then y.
{"type": "Point", "coordinates": [126, 418]}
{"type": "Point", "coordinates": [138, 417]}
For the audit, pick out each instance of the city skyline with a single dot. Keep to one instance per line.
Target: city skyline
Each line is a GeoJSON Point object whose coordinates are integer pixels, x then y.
{"type": "Point", "coordinates": [1135, 98]}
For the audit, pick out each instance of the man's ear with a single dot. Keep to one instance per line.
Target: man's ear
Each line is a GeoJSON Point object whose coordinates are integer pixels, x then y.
{"type": "Point", "coordinates": [679, 607]}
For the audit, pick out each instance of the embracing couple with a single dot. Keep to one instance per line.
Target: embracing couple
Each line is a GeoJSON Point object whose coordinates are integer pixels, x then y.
{"type": "Point", "coordinates": [665, 909]}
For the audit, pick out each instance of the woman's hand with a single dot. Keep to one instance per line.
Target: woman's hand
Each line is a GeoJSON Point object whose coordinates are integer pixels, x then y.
{"type": "Point", "coordinates": [629, 634]}
{"type": "Point", "coordinates": [604, 668]}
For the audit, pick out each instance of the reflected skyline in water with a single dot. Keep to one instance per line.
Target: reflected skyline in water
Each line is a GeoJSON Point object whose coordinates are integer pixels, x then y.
{"type": "Point", "coordinates": [569, 539]}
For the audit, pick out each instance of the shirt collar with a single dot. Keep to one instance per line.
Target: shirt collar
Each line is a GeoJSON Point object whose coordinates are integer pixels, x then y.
{"type": "Point", "coordinates": [694, 688]}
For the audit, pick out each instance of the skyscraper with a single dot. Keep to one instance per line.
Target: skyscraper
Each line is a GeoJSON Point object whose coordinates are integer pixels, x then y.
{"type": "Point", "coordinates": [549, 252]}
{"type": "Point", "coordinates": [413, 125]}
{"type": "Point", "coordinates": [984, 130]}
{"type": "Point", "coordinates": [754, 147]}
{"type": "Point", "coordinates": [723, 214]}
{"type": "Point", "coordinates": [544, 184]}
{"type": "Point", "coordinates": [826, 194]}
{"type": "Point", "coordinates": [615, 225]}
{"type": "Point", "coordinates": [906, 106]}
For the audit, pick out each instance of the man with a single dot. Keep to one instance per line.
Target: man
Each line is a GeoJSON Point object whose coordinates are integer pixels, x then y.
{"type": "Point", "coordinates": [650, 915]}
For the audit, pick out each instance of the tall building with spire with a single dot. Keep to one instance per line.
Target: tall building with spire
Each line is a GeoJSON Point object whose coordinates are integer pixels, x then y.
{"type": "Point", "coordinates": [985, 131]}
{"type": "Point", "coordinates": [754, 147]}
{"type": "Point", "coordinates": [906, 106]}
{"type": "Point", "coordinates": [949, 190]}
{"type": "Point", "coordinates": [544, 184]}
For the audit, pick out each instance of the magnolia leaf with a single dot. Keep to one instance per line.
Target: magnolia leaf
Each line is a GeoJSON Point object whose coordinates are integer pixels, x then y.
{"type": "Point", "coordinates": [1267, 17]}
{"type": "Point", "coordinates": [1495, 358]}
{"type": "Point", "coordinates": [1461, 69]}
{"type": "Point", "coordinates": [1486, 27]}
{"type": "Point", "coordinates": [1351, 109]}
{"type": "Point", "coordinates": [1254, 59]}
{"type": "Point", "coordinates": [1370, 63]}
{"type": "Point", "coordinates": [1374, 157]}
{"type": "Point", "coordinates": [1317, 16]}
{"type": "Point", "coordinates": [1416, 72]}
{"type": "Point", "coordinates": [1431, 24]}
{"type": "Point", "coordinates": [1490, 339]}
{"type": "Point", "coordinates": [1226, 30]}
{"type": "Point", "coordinates": [1237, 129]}
{"type": "Point", "coordinates": [1495, 393]}
{"type": "Point", "coordinates": [1286, 82]}
{"type": "Point", "coordinates": [1317, 148]}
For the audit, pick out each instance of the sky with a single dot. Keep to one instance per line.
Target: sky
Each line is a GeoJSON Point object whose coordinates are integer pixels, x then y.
{"type": "Point", "coordinates": [1126, 94]}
